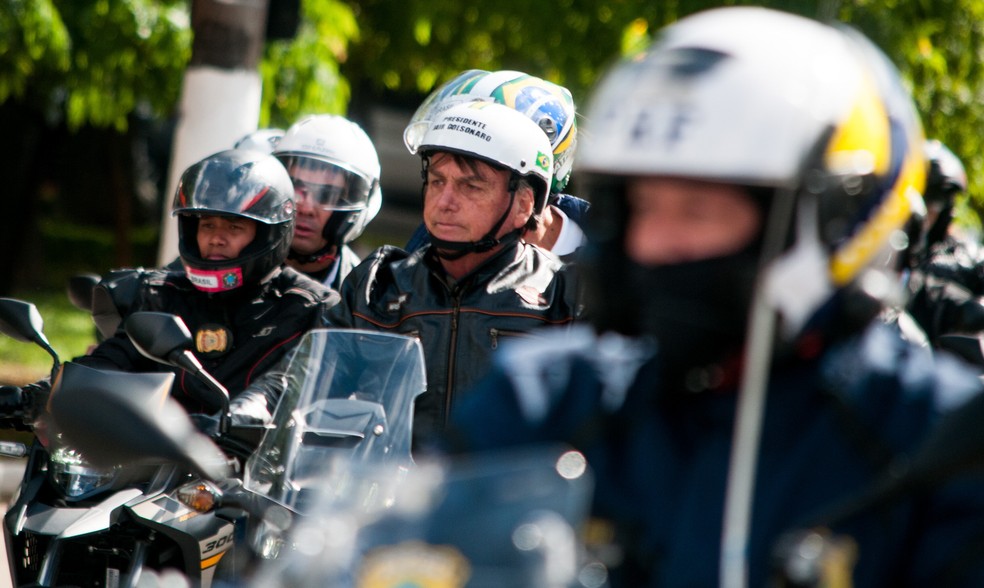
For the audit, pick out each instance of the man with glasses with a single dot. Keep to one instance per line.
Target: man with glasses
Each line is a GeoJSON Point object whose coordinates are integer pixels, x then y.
{"type": "Point", "coordinates": [335, 171]}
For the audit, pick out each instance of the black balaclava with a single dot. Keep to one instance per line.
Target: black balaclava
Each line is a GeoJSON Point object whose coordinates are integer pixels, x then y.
{"type": "Point", "coordinates": [697, 311]}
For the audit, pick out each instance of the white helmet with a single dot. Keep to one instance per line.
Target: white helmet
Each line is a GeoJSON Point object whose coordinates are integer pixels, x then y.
{"type": "Point", "coordinates": [330, 141]}
{"type": "Point", "coordinates": [496, 134]}
{"type": "Point", "coordinates": [264, 140]}
{"type": "Point", "coordinates": [502, 137]}
{"type": "Point", "coordinates": [547, 104]}
{"type": "Point", "coordinates": [814, 114]}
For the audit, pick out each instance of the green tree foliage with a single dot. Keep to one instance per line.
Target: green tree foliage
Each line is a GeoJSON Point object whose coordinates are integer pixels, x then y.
{"type": "Point", "coordinates": [96, 61]}
{"type": "Point", "coordinates": [938, 46]}
{"type": "Point", "coordinates": [93, 62]}
{"type": "Point", "coordinates": [411, 45]}
{"type": "Point", "coordinates": [302, 76]}
{"type": "Point", "coordinates": [33, 39]}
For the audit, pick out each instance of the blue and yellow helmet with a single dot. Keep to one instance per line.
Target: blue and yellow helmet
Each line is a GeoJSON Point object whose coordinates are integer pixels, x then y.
{"type": "Point", "coordinates": [815, 114]}
{"type": "Point", "coordinates": [547, 104]}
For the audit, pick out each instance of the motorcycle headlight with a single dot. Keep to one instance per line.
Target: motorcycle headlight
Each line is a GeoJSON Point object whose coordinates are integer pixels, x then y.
{"type": "Point", "coordinates": [75, 477]}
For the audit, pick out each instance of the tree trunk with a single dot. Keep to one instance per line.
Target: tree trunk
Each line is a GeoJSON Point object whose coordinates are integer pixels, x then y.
{"type": "Point", "coordinates": [19, 197]}
{"type": "Point", "coordinates": [121, 184]}
{"type": "Point", "coordinates": [220, 97]}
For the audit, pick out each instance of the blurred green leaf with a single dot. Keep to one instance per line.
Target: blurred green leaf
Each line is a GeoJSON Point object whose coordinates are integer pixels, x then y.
{"type": "Point", "coordinates": [93, 62]}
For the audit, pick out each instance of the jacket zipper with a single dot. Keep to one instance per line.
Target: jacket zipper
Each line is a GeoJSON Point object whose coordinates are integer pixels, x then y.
{"type": "Point", "coordinates": [452, 351]}
{"type": "Point", "coordinates": [496, 334]}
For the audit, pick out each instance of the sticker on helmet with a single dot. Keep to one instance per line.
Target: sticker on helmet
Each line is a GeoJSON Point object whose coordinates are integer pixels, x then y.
{"type": "Point", "coordinates": [464, 125]}
{"type": "Point", "coordinates": [542, 161]}
{"type": "Point", "coordinates": [215, 280]}
{"type": "Point", "coordinates": [230, 280]}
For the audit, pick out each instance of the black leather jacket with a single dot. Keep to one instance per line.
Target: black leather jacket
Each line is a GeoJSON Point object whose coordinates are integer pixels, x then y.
{"type": "Point", "coordinates": [946, 289]}
{"type": "Point", "coordinates": [239, 334]}
{"type": "Point", "coordinates": [459, 324]}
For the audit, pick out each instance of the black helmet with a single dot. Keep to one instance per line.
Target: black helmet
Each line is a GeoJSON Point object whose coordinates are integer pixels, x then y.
{"type": "Point", "coordinates": [241, 183]}
{"type": "Point", "coordinates": [946, 176]}
{"type": "Point", "coordinates": [945, 180]}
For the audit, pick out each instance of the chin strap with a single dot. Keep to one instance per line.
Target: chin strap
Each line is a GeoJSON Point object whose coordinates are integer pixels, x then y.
{"type": "Point", "coordinates": [320, 256]}
{"type": "Point", "coordinates": [452, 250]}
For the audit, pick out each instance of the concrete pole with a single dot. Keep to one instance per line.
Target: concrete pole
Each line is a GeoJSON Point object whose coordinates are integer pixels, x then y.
{"type": "Point", "coordinates": [220, 94]}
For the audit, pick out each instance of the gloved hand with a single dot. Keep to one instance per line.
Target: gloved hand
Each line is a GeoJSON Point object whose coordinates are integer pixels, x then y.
{"type": "Point", "coordinates": [17, 410]}
{"type": "Point", "coordinates": [11, 401]}
{"type": "Point", "coordinates": [970, 316]}
{"type": "Point", "coordinates": [249, 408]}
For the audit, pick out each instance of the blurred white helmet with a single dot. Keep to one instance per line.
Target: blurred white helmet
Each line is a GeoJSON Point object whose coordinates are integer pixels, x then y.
{"type": "Point", "coordinates": [814, 115]}
{"type": "Point", "coordinates": [263, 140]}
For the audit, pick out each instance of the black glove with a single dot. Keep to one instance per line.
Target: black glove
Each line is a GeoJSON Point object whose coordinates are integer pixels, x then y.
{"type": "Point", "coordinates": [17, 410]}
{"type": "Point", "coordinates": [11, 401]}
{"type": "Point", "coordinates": [249, 408]}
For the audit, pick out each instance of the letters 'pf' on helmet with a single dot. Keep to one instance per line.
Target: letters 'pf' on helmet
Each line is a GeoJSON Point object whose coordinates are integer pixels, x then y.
{"type": "Point", "coordinates": [498, 135]}
{"type": "Point", "coordinates": [762, 98]}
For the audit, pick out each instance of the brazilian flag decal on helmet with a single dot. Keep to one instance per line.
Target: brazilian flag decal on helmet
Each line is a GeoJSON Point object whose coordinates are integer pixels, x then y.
{"type": "Point", "coordinates": [542, 161]}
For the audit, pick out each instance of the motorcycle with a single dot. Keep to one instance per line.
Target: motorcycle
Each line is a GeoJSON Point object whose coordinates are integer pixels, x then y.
{"type": "Point", "coordinates": [76, 522]}
{"type": "Point", "coordinates": [342, 430]}
{"type": "Point", "coordinates": [347, 408]}
{"type": "Point", "coordinates": [369, 515]}
{"type": "Point", "coordinates": [332, 493]}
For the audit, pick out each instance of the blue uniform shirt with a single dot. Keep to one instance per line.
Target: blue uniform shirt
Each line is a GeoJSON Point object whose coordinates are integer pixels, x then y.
{"type": "Point", "coordinates": [660, 457]}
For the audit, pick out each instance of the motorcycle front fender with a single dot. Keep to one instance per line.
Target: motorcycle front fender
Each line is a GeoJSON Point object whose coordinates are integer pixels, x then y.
{"type": "Point", "coordinates": [203, 538]}
{"type": "Point", "coordinates": [64, 523]}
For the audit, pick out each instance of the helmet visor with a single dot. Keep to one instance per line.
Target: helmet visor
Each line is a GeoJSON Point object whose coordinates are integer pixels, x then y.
{"type": "Point", "coordinates": [454, 91]}
{"type": "Point", "coordinates": [235, 185]}
{"type": "Point", "coordinates": [327, 185]}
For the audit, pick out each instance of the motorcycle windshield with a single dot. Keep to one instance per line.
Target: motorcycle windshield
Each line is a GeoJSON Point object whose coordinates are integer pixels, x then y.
{"type": "Point", "coordinates": [499, 518]}
{"type": "Point", "coordinates": [348, 403]}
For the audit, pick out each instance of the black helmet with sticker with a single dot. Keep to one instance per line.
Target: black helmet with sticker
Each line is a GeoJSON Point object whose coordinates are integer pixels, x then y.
{"type": "Point", "coordinates": [237, 183]}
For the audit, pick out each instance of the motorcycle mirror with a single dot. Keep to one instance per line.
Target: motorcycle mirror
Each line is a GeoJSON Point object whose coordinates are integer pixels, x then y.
{"type": "Point", "coordinates": [80, 289]}
{"type": "Point", "coordinates": [113, 423]}
{"type": "Point", "coordinates": [165, 338]}
{"type": "Point", "coordinates": [21, 321]}
{"type": "Point", "coordinates": [158, 335]}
